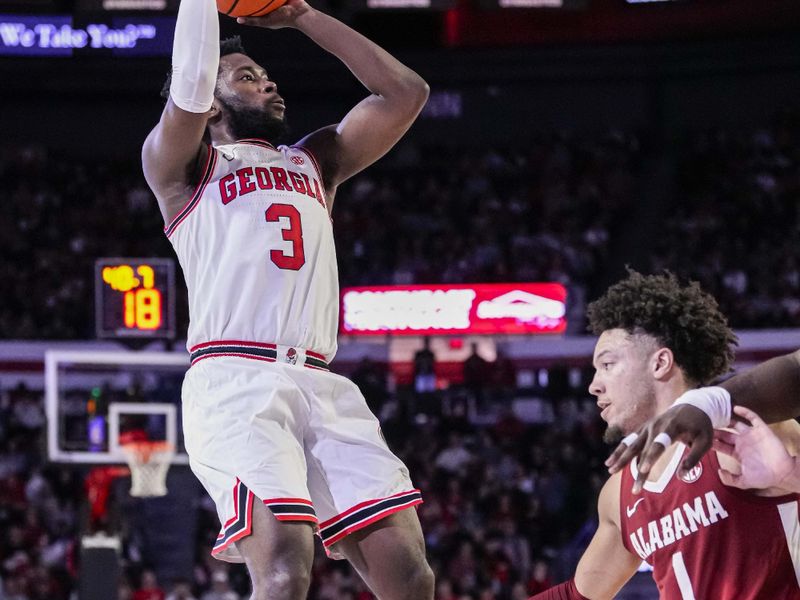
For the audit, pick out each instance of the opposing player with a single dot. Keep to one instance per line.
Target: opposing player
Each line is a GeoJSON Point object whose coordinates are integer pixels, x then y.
{"type": "Point", "coordinates": [283, 446]}
{"type": "Point", "coordinates": [772, 389]}
{"type": "Point", "coordinates": [703, 538]}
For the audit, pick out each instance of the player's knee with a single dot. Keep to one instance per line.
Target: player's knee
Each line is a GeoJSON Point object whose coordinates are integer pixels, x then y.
{"type": "Point", "coordinates": [420, 582]}
{"type": "Point", "coordinates": [282, 581]}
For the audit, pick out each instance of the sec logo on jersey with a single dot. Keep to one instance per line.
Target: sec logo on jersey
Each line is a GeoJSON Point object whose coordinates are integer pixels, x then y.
{"type": "Point", "coordinates": [298, 160]}
{"type": "Point", "coordinates": [692, 474]}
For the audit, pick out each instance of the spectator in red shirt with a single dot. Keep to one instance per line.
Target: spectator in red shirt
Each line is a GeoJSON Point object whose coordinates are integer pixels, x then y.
{"type": "Point", "coordinates": [149, 588]}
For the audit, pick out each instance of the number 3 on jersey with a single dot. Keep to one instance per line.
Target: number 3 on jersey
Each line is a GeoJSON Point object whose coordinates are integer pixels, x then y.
{"type": "Point", "coordinates": [293, 233]}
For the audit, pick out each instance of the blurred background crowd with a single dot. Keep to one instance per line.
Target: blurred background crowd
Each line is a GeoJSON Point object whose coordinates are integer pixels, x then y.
{"type": "Point", "coordinates": [548, 210]}
{"type": "Point", "coordinates": [508, 504]}
{"type": "Point", "coordinates": [557, 146]}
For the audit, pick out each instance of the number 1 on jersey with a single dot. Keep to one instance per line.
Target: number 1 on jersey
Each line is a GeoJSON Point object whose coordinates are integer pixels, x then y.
{"type": "Point", "coordinates": [293, 233]}
{"type": "Point", "coordinates": [682, 575]}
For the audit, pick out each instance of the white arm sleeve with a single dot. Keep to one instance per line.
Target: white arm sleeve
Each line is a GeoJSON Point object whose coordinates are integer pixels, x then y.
{"type": "Point", "coordinates": [195, 55]}
{"type": "Point", "coordinates": [714, 401]}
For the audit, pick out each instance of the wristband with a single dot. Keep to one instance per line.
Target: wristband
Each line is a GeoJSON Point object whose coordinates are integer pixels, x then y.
{"type": "Point", "coordinates": [195, 56]}
{"type": "Point", "coordinates": [714, 401]}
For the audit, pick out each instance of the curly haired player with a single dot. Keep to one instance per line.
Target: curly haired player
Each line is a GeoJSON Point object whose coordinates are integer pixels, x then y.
{"type": "Point", "coordinates": [657, 339]}
{"type": "Point", "coordinates": [284, 447]}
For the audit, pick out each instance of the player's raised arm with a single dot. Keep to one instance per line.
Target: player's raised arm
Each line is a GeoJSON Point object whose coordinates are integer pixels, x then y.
{"type": "Point", "coordinates": [606, 565]}
{"type": "Point", "coordinates": [772, 389]}
{"type": "Point", "coordinates": [173, 153]}
{"type": "Point", "coordinates": [374, 125]}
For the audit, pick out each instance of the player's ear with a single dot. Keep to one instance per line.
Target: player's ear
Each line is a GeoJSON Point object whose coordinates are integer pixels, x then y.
{"type": "Point", "coordinates": [215, 111]}
{"type": "Point", "coordinates": [662, 363]}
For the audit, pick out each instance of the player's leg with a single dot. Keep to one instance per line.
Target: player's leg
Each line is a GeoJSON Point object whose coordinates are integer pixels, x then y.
{"type": "Point", "coordinates": [362, 492]}
{"type": "Point", "coordinates": [243, 423]}
{"type": "Point", "coordinates": [278, 555]}
{"type": "Point", "coordinates": [389, 555]}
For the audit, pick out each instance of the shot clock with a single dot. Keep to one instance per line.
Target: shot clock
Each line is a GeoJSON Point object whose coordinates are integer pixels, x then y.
{"type": "Point", "coordinates": [135, 297]}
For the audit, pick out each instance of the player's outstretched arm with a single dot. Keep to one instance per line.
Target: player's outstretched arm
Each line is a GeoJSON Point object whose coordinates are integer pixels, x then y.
{"type": "Point", "coordinates": [173, 152]}
{"type": "Point", "coordinates": [374, 125]}
{"type": "Point", "coordinates": [771, 388]}
{"type": "Point", "coordinates": [606, 565]}
{"type": "Point", "coordinates": [763, 458]}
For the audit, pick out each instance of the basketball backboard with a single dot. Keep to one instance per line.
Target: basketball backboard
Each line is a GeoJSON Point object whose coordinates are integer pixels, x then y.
{"type": "Point", "coordinates": [97, 401]}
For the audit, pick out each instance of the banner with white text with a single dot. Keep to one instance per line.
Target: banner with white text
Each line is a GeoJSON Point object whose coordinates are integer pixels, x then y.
{"type": "Point", "coordinates": [484, 309]}
{"type": "Point", "coordinates": [67, 35]}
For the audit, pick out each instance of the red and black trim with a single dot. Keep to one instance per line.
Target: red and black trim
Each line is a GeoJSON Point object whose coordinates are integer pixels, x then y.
{"type": "Point", "coordinates": [316, 361]}
{"type": "Point", "coordinates": [266, 352]}
{"type": "Point", "coordinates": [314, 162]}
{"type": "Point", "coordinates": [365, 513]}
{"type": "Point", "coordinates": [241, 524]}
{"type": "Point", "coordinates": [208, 171]}
{"type": "Point", "coordinates": [254, 350]}
{"type": "Point", "coordinates": [292, 509]}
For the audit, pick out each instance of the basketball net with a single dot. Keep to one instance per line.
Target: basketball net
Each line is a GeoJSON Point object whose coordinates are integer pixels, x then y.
{"type": "Point", "coordinates": [149, 463]}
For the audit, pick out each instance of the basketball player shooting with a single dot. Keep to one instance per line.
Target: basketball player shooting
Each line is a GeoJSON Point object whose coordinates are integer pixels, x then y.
{"type": "Point", "coordinates": [703, 538]}
{"type": "Point", "coordinates": [284, 447]}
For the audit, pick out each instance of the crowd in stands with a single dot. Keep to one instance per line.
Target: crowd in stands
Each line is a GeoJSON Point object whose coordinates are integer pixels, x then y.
{"type": "Point", "coordinates": [422, 215]}
{"type": "Point", "coordinates": [508, 504]}
{"type": "Point", "coordinates": [446, 214]}
{"type": "Point", "coordinates": [39, 506]}
{"type": "Point", "coordinates": [735, 222]}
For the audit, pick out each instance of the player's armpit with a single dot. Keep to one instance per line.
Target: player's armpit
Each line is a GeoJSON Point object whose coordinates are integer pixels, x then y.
{"type": "Point", "coordinates": [606, 565]}
{"type": "Point", "coordinates": [366, 133]}
{"type": "Point", "coordinates": [172, 157]}
{"type": "Point", "coordinates": [173, 149]}
{"type": "Point", "coordinates": [376, 123]}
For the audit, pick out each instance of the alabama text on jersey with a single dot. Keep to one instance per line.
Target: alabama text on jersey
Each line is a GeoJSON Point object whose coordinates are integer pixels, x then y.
{"type": "Point", "coordinates": [709, 541]}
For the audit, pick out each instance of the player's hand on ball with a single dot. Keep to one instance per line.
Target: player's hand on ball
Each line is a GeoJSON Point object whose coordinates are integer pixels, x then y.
{"type": "Point", "coordinates": [763, 457]}
{"type": "Point", "coordinates": [285, 16]}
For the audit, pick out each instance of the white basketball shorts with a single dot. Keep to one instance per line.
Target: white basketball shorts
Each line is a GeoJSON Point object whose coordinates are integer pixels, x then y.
{"type": "Point", "coordinates": [261, 426]}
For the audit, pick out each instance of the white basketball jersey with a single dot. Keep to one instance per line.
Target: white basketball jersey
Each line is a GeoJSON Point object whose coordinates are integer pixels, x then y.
{"type": "Point", "coordinates": [255, 242]}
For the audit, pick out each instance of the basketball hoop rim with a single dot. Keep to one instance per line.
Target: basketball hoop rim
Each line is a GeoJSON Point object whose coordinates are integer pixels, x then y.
{"type": "Point", "coordinates": [148, 462]}
{"type": "Point", "coordinates": [142, 451]}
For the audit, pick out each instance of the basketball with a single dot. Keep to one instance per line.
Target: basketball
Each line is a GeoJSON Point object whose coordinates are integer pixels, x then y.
{"type": "Point", "coordinates": [248, 8]}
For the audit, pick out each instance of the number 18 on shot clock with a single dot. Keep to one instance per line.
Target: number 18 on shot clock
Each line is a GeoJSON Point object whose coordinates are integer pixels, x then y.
{"type": "Point", "coordinates": [135, 297]}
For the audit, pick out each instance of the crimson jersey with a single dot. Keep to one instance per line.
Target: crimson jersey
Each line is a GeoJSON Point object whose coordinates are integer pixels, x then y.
{"type": "Point", "coordinates": [707, 541]}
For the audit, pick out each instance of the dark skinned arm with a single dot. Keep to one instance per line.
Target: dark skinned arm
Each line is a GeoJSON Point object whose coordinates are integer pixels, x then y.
{"type": "Point", "coordinates": [772, 389]}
